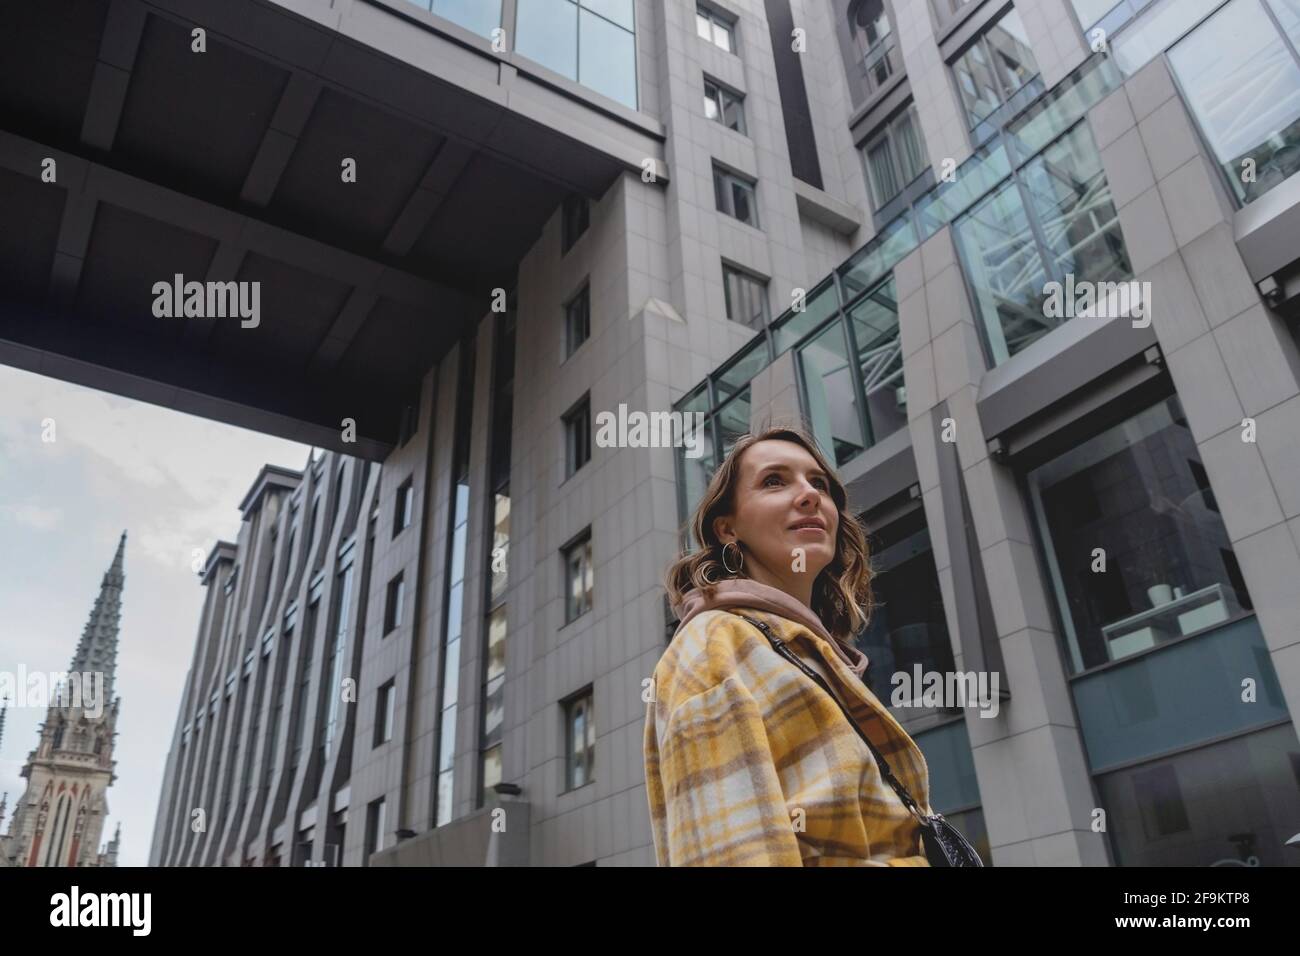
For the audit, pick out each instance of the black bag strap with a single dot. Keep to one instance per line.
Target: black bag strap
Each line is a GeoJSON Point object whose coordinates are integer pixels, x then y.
{"type": "Point", "coordinates": [783, 649]}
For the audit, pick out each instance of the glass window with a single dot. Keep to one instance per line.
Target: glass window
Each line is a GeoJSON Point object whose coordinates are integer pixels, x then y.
{"type": "Point", "coordinates": [393, 604]}
{"type": "Point", "coordinates": [402, 508]}
{"type": "Point", "coordinates": [500, 558]}
{"type": "Point", "coordinates": [994, 67]}
{"type": "Point", "coordinates": [1005, 271]}
{"type": "Point", "coordinates": [818, 306]}
{"type": "Point", "coordinates": [1136, 498]}
{"type": "Point", "coordinates": [1090, 11]}
{"type": "Point", "coordinates": [1242, 81]}
{"type": "Point", "coordinates": [375, 829]}
{"type": "Point", "coordinates": [1070, 210]}
{"type": "Point", "coordinates": [873, 39]}
{"type": "Point", "coordinates": [494, 692]}
{"type": "Point", "coordinates": [746, 297]}
{"type": "Point", "coordinates": [873, 261]}
{"type": "Point", "coordinates": [546, 31]}
{"type": "Point", "coordinates": [734, 196]}
{"type": "Point", "coordinates": [724, 106]}
{"type": "Point", "coordinates": [578, 575]}
{"type": "Point", "coordinates": [714, 27]}
{"type": "Point", "coordinates": [591, 41]}
{"type": "Point", "coordinates": [574, 220]}
{"type": "Point", "coordinates": [733, 419]}
{"type": "Point", "coordinates": [880, 360]}
{"type": "Point", "coordinates": [831, 395]}
{"type": "Point", "coordinates": [908, 627]}
{"type": "Point", "coordinates": [1233, 803]}
{"type": "Point", "coordinates": [580, 740]}
{"type": "Point", "coordinates": [577, 321]}
{"type": "Point", "coordinates": [607, 57]}
{"type": "Point", "coordinates": [577, 436]}
{"type": "Point", "coordinates": [1071, 202]}
{"type": "Point", "coordinates": [615, 11]}
{"type": "Point", "coordinates": [384, 714]}
{"type": "Point", "coordinates": [895, 157]}
{"type": "Point", "coordinates": [947, 9]}
{"type": "Point", "coordinates": [1160, 25]}
{"type": "Point", "coordinates": [480, 16]}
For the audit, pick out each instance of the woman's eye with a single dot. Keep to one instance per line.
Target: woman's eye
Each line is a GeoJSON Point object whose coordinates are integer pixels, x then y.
{"type": "Point", "coordinates": [771, 478]}
{"type": "Point", "coordinates": [820, 483]}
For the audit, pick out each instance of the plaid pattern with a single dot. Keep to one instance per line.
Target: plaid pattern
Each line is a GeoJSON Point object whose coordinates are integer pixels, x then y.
{"type": "Point", "coordinates": [749, 763]}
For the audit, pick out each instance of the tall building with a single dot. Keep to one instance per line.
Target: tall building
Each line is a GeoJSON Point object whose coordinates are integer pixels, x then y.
{"type": "Point", "coordinates": [60, 818]}
{"type": "Point", "coordinates": [1027, 268]}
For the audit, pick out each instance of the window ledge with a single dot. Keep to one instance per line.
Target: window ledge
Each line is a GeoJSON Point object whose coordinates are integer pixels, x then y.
{"type": "Point", "coordinates": [817, 204]}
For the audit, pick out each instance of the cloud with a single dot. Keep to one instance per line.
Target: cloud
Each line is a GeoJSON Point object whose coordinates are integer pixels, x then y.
{"type": "Point", "coordinates": [33, 516]}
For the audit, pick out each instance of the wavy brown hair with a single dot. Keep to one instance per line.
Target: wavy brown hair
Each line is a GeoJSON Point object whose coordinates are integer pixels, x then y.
{"type": "Point", "coordinates": [841, 595]}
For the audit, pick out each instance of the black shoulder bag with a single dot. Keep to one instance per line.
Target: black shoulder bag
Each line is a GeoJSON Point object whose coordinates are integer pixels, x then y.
{"type": "Point", "coordinates": [943, 842]}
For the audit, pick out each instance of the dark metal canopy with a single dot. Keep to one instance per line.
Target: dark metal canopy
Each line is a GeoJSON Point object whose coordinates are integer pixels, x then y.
{"type": "Point", "coordinates": [227, 165]}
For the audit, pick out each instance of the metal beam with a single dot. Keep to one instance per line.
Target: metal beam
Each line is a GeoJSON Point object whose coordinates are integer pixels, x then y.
{"type": "Point", "coordinates": [117, 51]}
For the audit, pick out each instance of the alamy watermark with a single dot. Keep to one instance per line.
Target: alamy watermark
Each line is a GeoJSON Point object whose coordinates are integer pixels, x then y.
{"type": "Point", "coordinates": [80, 689]}
{"type": "Point", "coordinates": [1103, 300]}
{"type": "Point", "coordinates": [208, 300]}
{"type": "Point", "coordinates": [651, 430]}
{"type": "Point", "coordinates": [923, 688]}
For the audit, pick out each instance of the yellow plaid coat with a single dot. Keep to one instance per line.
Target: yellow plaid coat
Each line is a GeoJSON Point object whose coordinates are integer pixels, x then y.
{"type": "Point", "coordinates": [749, 763]}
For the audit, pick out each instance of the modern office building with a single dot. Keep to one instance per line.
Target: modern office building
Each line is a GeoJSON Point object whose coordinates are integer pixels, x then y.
{"type": "Point", "coordinates": [1028, 269]}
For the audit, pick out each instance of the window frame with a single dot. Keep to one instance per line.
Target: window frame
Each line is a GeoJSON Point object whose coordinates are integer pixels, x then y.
{"type": "Point", "coordinates": [719, 99]}
{"type": "Point", "coordinates": [1005, 96]}
{"type": "Point", "coordinates": [718, 18]}
{"type": "Point", "coordinates": [725, 180]}
{"type": "Point", "coordinates": [586, 569]}
{"type": "Point", "coordinates": [571, 342]}
{"type": "Point", "coordinates": [394, 602]}
{"type": "Point", "coordinates": [586, 700]}
{"type": "Point", "coordinates": [888, 134]}
{"type": "Point", "coordinates": [403, 506]}
{"type": "Point", "coordinates": [577, 436]}
{"type": "Point", "coordinates": [575, 221]}
{"type": "Point", "coordinates": [384, 712]}
{"type": "Point", "coordinates": [762, 284]}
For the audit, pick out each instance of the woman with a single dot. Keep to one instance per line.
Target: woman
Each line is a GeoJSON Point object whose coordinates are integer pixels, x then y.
{"type": "Point", "coordinates": [748, 760]}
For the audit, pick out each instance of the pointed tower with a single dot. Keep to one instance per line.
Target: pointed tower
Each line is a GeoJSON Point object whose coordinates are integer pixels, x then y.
{"type": "Point", "coordinates": [60, 819]}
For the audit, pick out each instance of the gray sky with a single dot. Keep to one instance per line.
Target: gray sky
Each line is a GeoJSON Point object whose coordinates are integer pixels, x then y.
{"type": "Point", "coordinates": [174, 483]}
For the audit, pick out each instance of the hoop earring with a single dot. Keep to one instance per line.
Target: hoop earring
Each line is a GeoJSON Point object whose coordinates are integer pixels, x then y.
{"type": "Point", "coordinates": [741, 560]}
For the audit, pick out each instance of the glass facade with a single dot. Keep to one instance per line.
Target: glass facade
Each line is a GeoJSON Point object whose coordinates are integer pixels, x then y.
{"type": "Point", "coordinates": [1135, 544]}
{"type": "Point", "coordinates": [908, 626]}
{"type": "Point", "coordinates": [590, 41]}
{"type": "Point", "coordinates": [852, 375]}
{"type": "Point", "coordinates": [1232, 803]}
{"type": "Point", "coordinates": [334, 688]}
{"type": "Point", "coordinates": [994, 68]}
{"type": "Point", "coordinates": [449, 672]}
{"type": "Point", "coordinates": [478, 16]}
{"type": "Point", "coordinates": [496, 625]}
{"type": "Point", "coordinates": [1240, 75]}
{"type": "Point", "coordinates": [1053, 218]}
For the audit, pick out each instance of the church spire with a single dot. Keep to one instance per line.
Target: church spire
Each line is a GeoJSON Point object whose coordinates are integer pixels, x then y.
{"type": "Point", "coordinates": [97, 649]}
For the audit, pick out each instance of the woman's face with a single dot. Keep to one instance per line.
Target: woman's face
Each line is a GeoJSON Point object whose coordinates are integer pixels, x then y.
{"type": "Point", "coordinates": [782, 504]}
